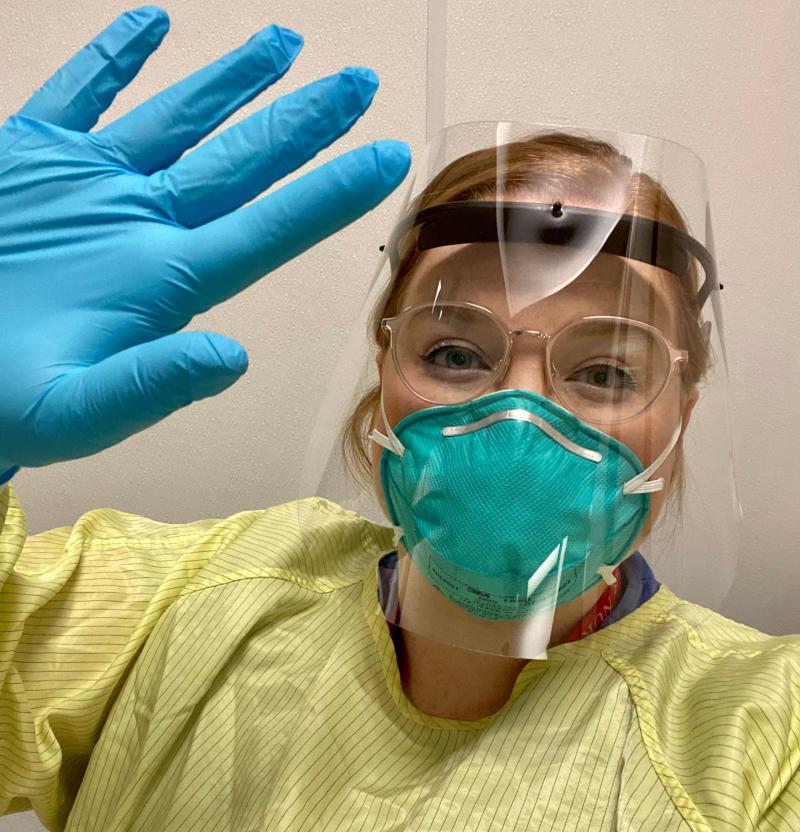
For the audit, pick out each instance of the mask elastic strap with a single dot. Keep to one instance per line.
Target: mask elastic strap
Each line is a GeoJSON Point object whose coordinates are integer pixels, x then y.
{"type": "Point", "coordinates": [606, 572]}
{"type": "Point", "coordinates": [639, 484]}
{"type": "Point", "coordinates": [390, 442]}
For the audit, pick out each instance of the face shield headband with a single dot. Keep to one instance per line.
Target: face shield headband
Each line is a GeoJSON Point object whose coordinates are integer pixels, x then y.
{"type": "Point", "coordinates": [480, 221]}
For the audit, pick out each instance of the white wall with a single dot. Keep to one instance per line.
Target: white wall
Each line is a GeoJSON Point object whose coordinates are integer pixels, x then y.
{"type": "Point", "coordinates": [719, 76]}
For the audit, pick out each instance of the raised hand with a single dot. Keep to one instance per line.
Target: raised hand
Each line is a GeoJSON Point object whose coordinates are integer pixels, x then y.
{"type": "Point", "coordinates": [111, 241]}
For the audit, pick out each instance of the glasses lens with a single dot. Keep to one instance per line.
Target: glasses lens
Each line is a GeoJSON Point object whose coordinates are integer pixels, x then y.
{"type": "Point", "coordinates": [607, 370]}
{"type": "Point", "coordinates": [448, 353]}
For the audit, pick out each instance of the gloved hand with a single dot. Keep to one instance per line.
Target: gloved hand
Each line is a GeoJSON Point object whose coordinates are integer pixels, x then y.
{"type": "Point", "coordinates": [111, 241]}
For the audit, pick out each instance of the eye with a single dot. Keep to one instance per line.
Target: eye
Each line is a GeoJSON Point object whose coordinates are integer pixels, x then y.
{"type": "Point", "coordinates": [455, 357]}
{"type": "Point", "coordinates": [606, 376]}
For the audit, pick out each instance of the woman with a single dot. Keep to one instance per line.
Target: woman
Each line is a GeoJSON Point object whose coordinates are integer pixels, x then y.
{"type": "Point", "coordinates": [240, 674]}
{"type": "Point", "coordinates": [438, 333]}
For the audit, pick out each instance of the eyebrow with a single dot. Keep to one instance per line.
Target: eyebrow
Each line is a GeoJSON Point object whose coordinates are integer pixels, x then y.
{"type": "Point", "coordinates": [647, 298]}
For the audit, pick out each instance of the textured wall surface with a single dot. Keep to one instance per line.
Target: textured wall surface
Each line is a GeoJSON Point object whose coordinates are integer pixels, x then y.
{"type": "Point", "coordinates": [720, 77]}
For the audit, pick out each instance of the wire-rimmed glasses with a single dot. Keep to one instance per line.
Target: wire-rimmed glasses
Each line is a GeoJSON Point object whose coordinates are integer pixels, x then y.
{"type": "Point", "coordinates": [601, 368]}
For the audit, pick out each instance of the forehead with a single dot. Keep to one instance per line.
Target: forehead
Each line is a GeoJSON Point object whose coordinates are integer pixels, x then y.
{"type": "Point", "coordinates": [536, 287]}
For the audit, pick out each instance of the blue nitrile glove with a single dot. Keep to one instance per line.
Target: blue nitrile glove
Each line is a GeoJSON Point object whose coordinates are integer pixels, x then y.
{"type": "Point", "coordinates": [110, 242]}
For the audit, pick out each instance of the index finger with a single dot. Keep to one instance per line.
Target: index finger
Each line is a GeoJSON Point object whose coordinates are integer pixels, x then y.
{"type": "Point", "coordinates": [233, 251]}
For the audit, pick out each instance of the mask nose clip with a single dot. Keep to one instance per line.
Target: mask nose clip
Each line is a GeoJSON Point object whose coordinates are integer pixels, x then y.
{"type": "Point", "coordinates": [640, 484]}
{"type": "Point", "coordinates": [521, 415]}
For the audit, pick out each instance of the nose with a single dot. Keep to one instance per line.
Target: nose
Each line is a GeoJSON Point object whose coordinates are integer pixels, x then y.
{"type": "Point", "coordinates": [526, 371]}
{"type": "Point", "coordinates": [526, 368]}
{"type": "Point", "coordinates": [525, 375]}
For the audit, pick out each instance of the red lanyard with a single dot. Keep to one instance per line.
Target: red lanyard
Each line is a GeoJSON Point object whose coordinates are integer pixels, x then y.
{"type": "Point", "coordinates": [599, 612]}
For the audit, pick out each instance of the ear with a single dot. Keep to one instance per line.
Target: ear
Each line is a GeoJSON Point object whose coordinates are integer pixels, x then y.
{"type": "Point", "coordinates": [691, 400]}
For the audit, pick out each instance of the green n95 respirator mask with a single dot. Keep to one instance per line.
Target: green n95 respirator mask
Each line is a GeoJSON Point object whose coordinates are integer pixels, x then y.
{"type": "Point", "coordinates": [507, 499]}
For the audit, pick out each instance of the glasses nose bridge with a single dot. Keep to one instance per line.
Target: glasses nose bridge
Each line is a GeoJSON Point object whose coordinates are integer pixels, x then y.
{"type": "Point", "coordinates": [543, 337]}
{"type": "Point", "coordinates": [521, 370]}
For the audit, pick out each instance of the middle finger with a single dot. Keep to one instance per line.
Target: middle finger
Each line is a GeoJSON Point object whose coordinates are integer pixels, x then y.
{"type": "Point", "coordinates": [246, 159]}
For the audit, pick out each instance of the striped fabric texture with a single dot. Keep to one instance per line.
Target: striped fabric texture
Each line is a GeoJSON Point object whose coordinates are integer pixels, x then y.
{"type": "Point", "coordinates": [237, 674]}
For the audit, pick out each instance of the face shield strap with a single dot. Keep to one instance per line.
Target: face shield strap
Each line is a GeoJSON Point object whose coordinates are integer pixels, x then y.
{"type": "Point", "coordinates": [480, 221]}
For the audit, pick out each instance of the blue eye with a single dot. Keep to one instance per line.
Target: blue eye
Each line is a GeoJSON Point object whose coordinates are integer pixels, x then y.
{"type": "Point", "coordinates": [606, 376]}
{"type": "Point", "coordinates": [452, 357]}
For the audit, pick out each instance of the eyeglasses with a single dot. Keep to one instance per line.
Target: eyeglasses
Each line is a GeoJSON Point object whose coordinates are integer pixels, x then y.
{"type": "Point", "coordinates": [603, 369]}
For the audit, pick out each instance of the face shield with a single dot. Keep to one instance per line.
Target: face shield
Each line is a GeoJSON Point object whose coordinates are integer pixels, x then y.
{"type": "Point", "coordinates": [535, 386]}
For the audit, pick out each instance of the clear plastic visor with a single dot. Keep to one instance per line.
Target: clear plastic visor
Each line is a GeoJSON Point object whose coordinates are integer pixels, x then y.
{"type": "Point", "coordinates": [539, 372]}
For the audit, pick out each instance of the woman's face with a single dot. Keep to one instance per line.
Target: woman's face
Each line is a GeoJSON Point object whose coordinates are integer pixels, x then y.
{"type": "Point", "coordinates": [609, 286]}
